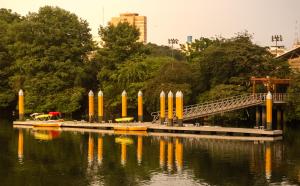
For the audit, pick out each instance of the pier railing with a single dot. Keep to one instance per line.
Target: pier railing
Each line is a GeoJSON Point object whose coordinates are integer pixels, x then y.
{"type": "Point", "coordinates": [224, 105]}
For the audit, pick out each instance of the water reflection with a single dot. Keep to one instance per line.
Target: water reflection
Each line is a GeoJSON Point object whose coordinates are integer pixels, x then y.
{"type": "Point", "coordinates": [268, 162]}
{"type": "Point", "coordinates": [179, 154]}
{"type": "Point", "coordinates": [20, 146]}
{"type": "Point", "coordinates": [124, 141]}
{"type": "Point", "coordinates": [90, 150]}
{"type": "Point", "coordinates": [162, 153]}
{"type": "Point", "coordinates": [140, 149]}
{"type": "Point", "coordinates": [45, 135]}
{"type": "Point", "coordinates": [170, 155]}
{"type": "Point", "coordinates": [100, 150]}
{"type": "Point", "coordinates": [140, 159]}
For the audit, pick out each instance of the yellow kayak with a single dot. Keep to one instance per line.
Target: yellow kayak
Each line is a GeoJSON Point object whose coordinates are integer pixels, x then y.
{"type": "Point", "coordinates": [42, 136]}
{"type": "Point", "coordinates": [123, 140]}
{"type": "Point", "coordinates": [127, 119]}
{"type": "Point", "coordinates": [128, 132]}
{"type": "Point", "coordinates": [47, 125]}
{"type": "Point", "coordinates": [42, 117]}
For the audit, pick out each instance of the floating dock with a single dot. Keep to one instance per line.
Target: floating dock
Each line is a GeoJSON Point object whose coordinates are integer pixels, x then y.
{"type": "Point", "coordinates": [148, 128]}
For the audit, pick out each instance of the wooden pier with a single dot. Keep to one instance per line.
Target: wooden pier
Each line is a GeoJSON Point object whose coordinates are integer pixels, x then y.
{"type": "Point", "coordinates": [188, 130]}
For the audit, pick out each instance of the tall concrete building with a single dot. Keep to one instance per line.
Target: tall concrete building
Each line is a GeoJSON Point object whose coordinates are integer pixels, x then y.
{"type": "Point", "coordinates": [140, 22]}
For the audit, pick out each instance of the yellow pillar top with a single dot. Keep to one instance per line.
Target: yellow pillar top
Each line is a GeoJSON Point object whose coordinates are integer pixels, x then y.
{"type": "Point", "coordinates": [269, 95]}
{"type": "Point", "coordinates": [170, 94]}
{"type": "Point", "coordinates": [21, 93]}
{"type": "Point", "coordinates": [124, 93]}
{"type": "Point", "coordinates": [91, 93]}
{"type": "Point", "coordinates": [100, 93]}
{"type": "Point", "coordinates": [140, 93]}
{"type": "Point", "coordinates": [179, 94]}
{"type": "Point", "coordinates": [162, 94]}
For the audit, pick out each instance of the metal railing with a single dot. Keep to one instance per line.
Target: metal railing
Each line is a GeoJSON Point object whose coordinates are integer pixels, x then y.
{"type": "Point", "coordinates": [223, 105]}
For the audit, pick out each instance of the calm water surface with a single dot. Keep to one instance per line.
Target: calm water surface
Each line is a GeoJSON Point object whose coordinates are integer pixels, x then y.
{"type": "Point", "coordinates": [56, 157]}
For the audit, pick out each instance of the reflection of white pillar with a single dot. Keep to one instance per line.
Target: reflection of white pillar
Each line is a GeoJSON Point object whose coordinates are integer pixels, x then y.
{"type": "Point", "coordinates": [100, 150]}
{"type": "Point", "coordinates": [140, 149]}
{"type": "Point", "coordinates": [170, 156]}
{"type": "Point", "coordinates": [162, 153]}
{"type": "Point", "coordinates": [123, 154]}
{"type": "Point", "coordinates": [90, 150]}
{"type": "Point", "coordinates": [268, 162]}
{"type": "Point", "coordinates": [20, 146]}
{"type": "Point", "coordinates": [179, 154]}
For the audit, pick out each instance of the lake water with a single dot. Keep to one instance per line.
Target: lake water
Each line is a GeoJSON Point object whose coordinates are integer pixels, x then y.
{"type": "Point", "coordinates": [57, 157]}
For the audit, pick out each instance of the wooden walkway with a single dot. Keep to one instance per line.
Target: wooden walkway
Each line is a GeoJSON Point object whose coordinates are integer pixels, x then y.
{"type": "Point", "coordinates": [161, 130]}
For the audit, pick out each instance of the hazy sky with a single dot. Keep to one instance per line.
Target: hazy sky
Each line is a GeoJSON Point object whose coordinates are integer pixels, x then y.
{"type": "Point", "coordinates": [180, 18]}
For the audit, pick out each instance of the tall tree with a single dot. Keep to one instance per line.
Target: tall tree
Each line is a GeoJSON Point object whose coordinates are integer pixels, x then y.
{"type": "Point", "coordinates": [7, 20]}
{"type": "Point", "coordinates": [293, 111]}
{"type": "Point", "coordinates": [234, 61]}
{"type": "Point", "coordinates": [120, 63]}
{"type": "Point", "coordinates": [51, 50]}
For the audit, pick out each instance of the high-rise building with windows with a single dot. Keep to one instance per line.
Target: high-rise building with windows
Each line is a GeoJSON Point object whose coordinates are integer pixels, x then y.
{"type": "Point", "coordinates": [140, 22]}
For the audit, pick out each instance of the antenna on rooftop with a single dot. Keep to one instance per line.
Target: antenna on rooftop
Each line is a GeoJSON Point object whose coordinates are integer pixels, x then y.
{"type": "Point", "coordinates": [102, 15]}
{"type": "Point", "coordinates": [296, 41]}
{"type": "Point", "coordinates": [277, 38]}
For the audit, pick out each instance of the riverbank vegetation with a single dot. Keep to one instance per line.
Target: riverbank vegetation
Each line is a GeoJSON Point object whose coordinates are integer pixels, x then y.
{"type": "Point", "coordinates": [50, 54]}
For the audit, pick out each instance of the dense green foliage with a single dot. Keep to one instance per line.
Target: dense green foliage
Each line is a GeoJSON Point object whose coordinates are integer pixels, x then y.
{"type": "Point", "coordinates": [50, 49]}
{"type": "Point", "coordinates": [224, 67]}
{"type": "Point", "coordinates": [46, 54]}
{"type": "Point", "coordinates": [7, 18]}
{"type": "Point", "coordinates": [293, 113]}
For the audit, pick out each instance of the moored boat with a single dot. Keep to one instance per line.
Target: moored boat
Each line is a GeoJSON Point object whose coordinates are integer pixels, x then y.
{"type": "Point", "coordinates": [126, 119]}
{"type": "Point", "coordinates": [47, 124]}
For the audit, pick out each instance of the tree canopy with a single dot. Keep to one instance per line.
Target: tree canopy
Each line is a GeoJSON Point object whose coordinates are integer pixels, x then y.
{"type": "Point", "coordinates": [50, 50]}
{"type": "Point", "coordinates": [50, 54]}
{"type": "Point", "coordinates": [7, 19]}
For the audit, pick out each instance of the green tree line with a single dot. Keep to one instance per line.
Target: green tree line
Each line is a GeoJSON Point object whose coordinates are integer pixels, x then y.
{"type": "Point", "coordinates": [50, 54]}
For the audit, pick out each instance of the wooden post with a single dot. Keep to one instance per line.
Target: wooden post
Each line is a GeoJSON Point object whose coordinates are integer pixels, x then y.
{"type": "Point", "coordinates": [257, 116]}
{"type": "Point", "coordinates": [162, 107]}
{"type": "Point", "coordinates": [263, 116]}
{"type": "Point", "coordinates": [140, 106]}
{"type": "Point", "coordinates": [21, 105]}
{"type": "Point", "coordinates": [279, 119]}
{"type": "Point", "coordinates": [91, 106]}
{"type": "Point", "coordinates": [124, 104]}
{"type": "Point", "coordinates": [100, 106]}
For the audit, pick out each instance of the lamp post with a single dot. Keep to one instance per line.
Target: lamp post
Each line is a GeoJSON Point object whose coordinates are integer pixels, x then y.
{"type": "Point", "coordinates": [171, 42]}
{"type": "Point", "coordinates": [276, 38]}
